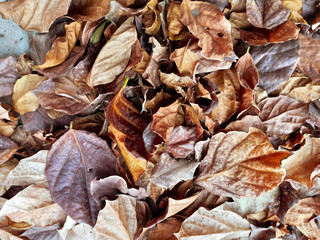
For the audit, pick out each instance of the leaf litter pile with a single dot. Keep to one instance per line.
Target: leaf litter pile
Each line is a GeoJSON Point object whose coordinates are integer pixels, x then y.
{"type": "Point", "coordinates": [161, 120]}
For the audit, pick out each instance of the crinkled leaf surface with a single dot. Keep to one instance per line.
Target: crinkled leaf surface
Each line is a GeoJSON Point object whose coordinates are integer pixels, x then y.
{"type": "Point", "coordinates": [42, 233]}
{"type": "Point", "coordinates": [7, 149]}
{"type": "Point", "coordinates": [224, 171]}
{"type": "Point", "coordinates": [73, 162]}
{"type": "Point", "coordinates": [8, 75]}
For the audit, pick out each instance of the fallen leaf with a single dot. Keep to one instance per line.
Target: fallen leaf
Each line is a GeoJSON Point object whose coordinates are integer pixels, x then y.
{"type": "Point", "coordinates": [218, 223]}
{"type": "Point", "coordinates": [181, 141]}
{"type": "Point", "coordinates": [310, 229]}
{"type": "Point", "coordinates": [127, 125]}
{"type": "Point", "coordinates": [170, 171]}
{"type": "Point", "coordinates": [24, 100]}
{"type": "Point", "coordinates": [266, 13]}
{"type": "Point", "coordinates": [5, 169]}
{"type": "Point", "coordinates": [185, 60]}
{"type": "Point", "coordinates": [111, 186]}
{"type": "Point", "coordinates": [258, 169]}
{"type": "Point", "coordinates": [275, 63]}
{"type": "Point", "coordinates": [114, 56]}
{"type": "Point", "coordinates": [88, 10]}
{"type": "Point", "coordinates": [296, 7]}
{"type": "Point", "coordinates": [166, 119]}
{"type": "Point", "coordinates": [303, 166]}
{"type": "Point", "coordinates": [8, 75]}
{"type": "Point", "coordinates": [128, 216]}
{"type": "Point", "coordinates": [309, 59]}
{"type": "Point", "coordinates": [74, 230]}
{"type": "Point", "coordinates": [229, 98]}
{"type": "Point", "coordinates": [165, 230]}
{"type": "Point", "coordinates": [207, 23]}
{"type": "Point", "coordinates": [37, 210]}
{"type": "Point", "coordinates": [7, 149]}
{"type": "Point", "coordinates": [151, 18]}
{"type": "Point", "coordinates": [175, 27]}
{"type": "Point", "coordinates": [42, 233]}
{"type": "Point", "coordinates": [303, 211]}
{"type": "Point", "coordinates": [74, 160]}
{"type": "Point", "coordinates": [245, 123]}
{"type": "Point", "coordinates": [40, 14]}
{"type": "Point", "coordinates": [62, 46]}
{"type": "Point", "coordinates": [282, 33]}
{"type": "Point", "coordinates": [282, 115]}
{"type": "Point", "coordinates": [174, 80]}
{"type": "Point", "coordinates": [29, 170]}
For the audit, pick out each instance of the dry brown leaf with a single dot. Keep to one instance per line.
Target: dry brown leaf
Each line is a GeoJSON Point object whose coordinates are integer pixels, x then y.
{"type": "Point", "coordinates": [309, 61]}
{"type": "Point", "coordinates": [245, 167]}
{"type": "Point", "coordinates": [62, 46]}
{"type": "Point", "coordinates": [35, 14]}
{"type": "Point", "coordinates": [174, 80]}
{"type": "Point", "coordinates": [165, 230]}
{"type": "Point", "coordinates": [23, 99]}
{"type": "Point", "coordinates": [303, 211]}
{"type": "Point", "coordinates": [175, 27]}
{"type": "Point", "coordinates": [5, 170]}
{"type": "Point", "coordinates": [185, 60]}
{"type": "Point", "coordinates": [151, 18]}
{"type": "Point", "coordinates": [127, 215]}
{"type": "Point", "coordinates": [7, 149]}
{"type": "Point", "coordinates": [310, 229]}
{"type": "Point", "coordinates": [245, 123]}
{"type": "Point", "coordinates": [296, 10]}
{"type": "Point", "coordinates": [7, 127]}
{"type": "Point", "coordinates": [114, 56]}
{"type": "Point", "coordinates": [166, 119]}
{"type": "Point", "coordinates": [282, 115]}
{"type": "Point", "coordinates": [229, 98]}
{"type": "Point", "coordinates": [207, 23]}
{"type": "Point", "coordinates": [266, 13]}
{"type": "Point", "coordinates": [219, 223]}
{"type": "Point", "coordinates": [88, 10]}
{"type": "Point", "coordinates": [4, 112]}
{"type": "Point", "coordinates": [74, 230]}
{"type": "Point", "coordinates": [304, 165]}
{"type": "Point", "coordinates": [29, 170]}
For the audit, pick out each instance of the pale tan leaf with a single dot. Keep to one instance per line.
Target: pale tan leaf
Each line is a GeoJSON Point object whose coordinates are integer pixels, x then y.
{"type": "Point", "coordinates": [33, 206]}
{"type": "Point", "coordinates": [5, 169]}
{"type": "Point", "coordinates": [7, 127]}
{"type": "Point", "coordinates": [222, 223]}
{"type": "Point", "coordinates": [127, 216]}
{"type": "Point", "coordinates": [177, 205]}
{"type": "Point", "coordinates": [207, 23]}
{"type": "Point", "coordinates": [185, 60]}
{"type": "Point", "coordinates": [310, 229]}
{"type": "Point", "coordinates": [34, 14]}
{"type": "Point", "coordinates": [4, 113]}
{"type": "Point", "coordinates": [303, 211]}
{"type": "Point", "coordinates": [304, 165]}
{"type": "Point", "coordinates": [7, 149]}
{"type": "Point", "coordinates": [73, 230]}
{"type": "Point", "coordinates": [175, 27]}
{"type": "Point", "coordinates": [29, 170]}
{"type": "Point", "coordinates": [241, 164]}
{"type": "Point", "coordinates": [23, 100]}
{"type": "Point", "coordinates": [296, 10]}
{"type": "Point", "coordinates": [173, 80]}
{"type": "Point", "coordinates": [114, 56]}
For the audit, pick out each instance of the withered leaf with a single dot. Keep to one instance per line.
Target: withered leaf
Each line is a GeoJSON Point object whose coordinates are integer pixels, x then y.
{"type": "Point", "coordinates": [7, 149]}
{"type": "Point", "coordinates": [218, 223]}
{"type": "Point", "coordinates": [8, 75]}
{"type": "Point", "coordinates": [170, 171]}
{"type": "Point", "coordinates": [174, 80]}
{"type": "Point", "coordinates": [245, 123]}
{"type": "Point", "coordinates": [166, 119]}
{"type": "Point", "coordinates": [258, 170]}
{"type": "Point", "coordinates": [282, 115]}
{"type": "Point", "coordinates": [23, 99]}
{"type": "Point", "coordinates": [309, 59]}
{"type": "Point", "coordinates": [62, 46]}
{"type": "Point", "coordinates": [151, 18]}
{"type": "Point", "coordinates": [114, 56]}
{"type": "Point", "coordinates": [88, 10]}
{"type": "Point", "coordinates": [40, 13]}
{"type": "Point", "coordinates": [175, 27]}
{"type": "Point", "coordinates": [42, 233]}
{"type": "Point", "coordinates": [127, 215]}
{"type": "Point", "coordinates": [127, 125]}
{"type": "Point", "coordinates": [207, 23]}
{"type": "Point", "coordinates": [303, 166]}
{"type": "Point", "coordinates": [310, 229]}
{"type": "Point", "coordinates": [266, 13]}
{"type": "Point", "coordinates": [185, 60]}
{"type": "Point", "coordinates": [296, 7]}
{"type": "Point", "coordinates": [73, 230]}
{"type": "Point", "coordinates": [73, 162]}
{"type": "Point", "coordinates": [29, 170]}
{"type": "Point", "coordinates": [5, 170]}
{"type": "Point", "coordinates": [275, 62]}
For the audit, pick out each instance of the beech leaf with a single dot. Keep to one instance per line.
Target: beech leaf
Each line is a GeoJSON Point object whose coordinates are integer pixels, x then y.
{"type": "Point", "coordinates": [256, 170]}
{"type": "Point", "coordinates": [39, 16]}
{"type": "Point", "coordinates": [73, 162]}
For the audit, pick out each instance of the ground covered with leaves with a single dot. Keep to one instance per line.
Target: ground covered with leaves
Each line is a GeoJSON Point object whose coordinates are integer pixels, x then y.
{"type": "Point", "coordinates": [161, 120]}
